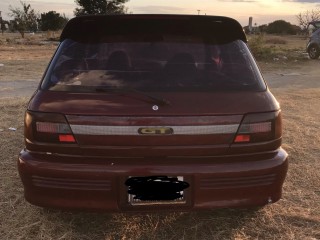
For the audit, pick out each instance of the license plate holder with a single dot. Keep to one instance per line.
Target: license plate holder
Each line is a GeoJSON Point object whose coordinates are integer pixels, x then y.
{"type": "Point", "coordinates": [156, 190]}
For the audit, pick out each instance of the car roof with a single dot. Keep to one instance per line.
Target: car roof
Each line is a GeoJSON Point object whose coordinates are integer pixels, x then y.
{"type": "Point", "coordinates": [317, 31]}
{"type": "Point", "coordinates": [222, 29]}
{"type": "Point", "coordinates": [316, 24]}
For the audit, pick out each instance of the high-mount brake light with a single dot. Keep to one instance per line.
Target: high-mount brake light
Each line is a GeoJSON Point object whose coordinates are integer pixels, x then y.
{"type": "Point", "coordinates": [259, 127]}
{"type": "Point", "coordinates": [48, 127]}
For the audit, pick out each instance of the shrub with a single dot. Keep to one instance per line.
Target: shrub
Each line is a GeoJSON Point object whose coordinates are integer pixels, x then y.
{"type": "Point", "coordinates": [276, 40]}
{"type": "Point", "coordinates": [281, 27]}
{"type": "Point", "coordinates": [258, 49]}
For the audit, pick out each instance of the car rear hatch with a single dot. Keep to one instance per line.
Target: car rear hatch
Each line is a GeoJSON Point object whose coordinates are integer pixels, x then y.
{"type": "Point", "coordinates": [146, 85]}
{"type": "Point", "coordinates": [125, 126]}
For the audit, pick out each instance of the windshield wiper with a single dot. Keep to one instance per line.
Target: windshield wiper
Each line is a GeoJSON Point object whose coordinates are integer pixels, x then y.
{"type": "Point", "coordinates": [155, 99]}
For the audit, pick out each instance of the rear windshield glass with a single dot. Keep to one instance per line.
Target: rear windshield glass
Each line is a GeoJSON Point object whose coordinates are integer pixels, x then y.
{"type": "Point", "coordinates": [166, 63]}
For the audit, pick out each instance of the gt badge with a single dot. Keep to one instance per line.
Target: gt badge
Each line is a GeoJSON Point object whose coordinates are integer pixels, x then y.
{"type": "Point", "coordinates": [155, 130]}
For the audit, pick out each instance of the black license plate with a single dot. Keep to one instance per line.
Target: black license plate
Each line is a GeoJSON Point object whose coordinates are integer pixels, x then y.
{"type": "Point", "coordinates": [151, 190]}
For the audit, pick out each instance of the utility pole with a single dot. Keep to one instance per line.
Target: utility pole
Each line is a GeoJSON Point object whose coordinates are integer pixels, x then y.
{"type": "Point", "coordinates": [1, 24]}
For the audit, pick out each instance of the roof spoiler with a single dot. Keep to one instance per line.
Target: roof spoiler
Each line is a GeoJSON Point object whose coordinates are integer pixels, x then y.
{"type": "Point", "coordinates": [93, 27]}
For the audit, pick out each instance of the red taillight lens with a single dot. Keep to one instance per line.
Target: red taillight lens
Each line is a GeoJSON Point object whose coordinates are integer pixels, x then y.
{"type": "Point", "coordinates": [66, 138]}
{"type": "Point", "coordinates": [47, 127]}
{"type": "Point", "coordinates": [242, 138]}
{"type": "Point", "coordinates": [259, 127]}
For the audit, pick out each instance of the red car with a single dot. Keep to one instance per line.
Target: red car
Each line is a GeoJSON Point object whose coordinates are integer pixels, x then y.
{"type": "Point", "coordinates": [149, 113]}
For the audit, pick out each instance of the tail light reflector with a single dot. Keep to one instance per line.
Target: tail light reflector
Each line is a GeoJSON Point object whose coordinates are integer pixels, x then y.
{"type": "Point", "coordinates": [66, 138]}
{"type": "Point", "coordinates": [242, 138]}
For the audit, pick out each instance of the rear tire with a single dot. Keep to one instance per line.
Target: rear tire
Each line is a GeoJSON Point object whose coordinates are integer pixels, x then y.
{"type": "Point", "coordinates": [314, 52]}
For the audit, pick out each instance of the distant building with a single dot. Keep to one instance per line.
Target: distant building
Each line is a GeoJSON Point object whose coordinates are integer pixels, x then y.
{"type": "Point", "coordinates": [250, 28]}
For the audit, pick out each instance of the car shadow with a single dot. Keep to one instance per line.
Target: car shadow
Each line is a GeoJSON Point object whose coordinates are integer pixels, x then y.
{"type": "Point", "coordinates": [214, 224]}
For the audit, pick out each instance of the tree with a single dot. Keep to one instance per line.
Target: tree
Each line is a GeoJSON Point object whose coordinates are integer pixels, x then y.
{"type": "Point", "coordinates": [263, 28]}
{"type": "Point", "coordinates": [280, 27]}
{"type": "Point", "coordinates": [2, 24]}
{"type": "Point", "coordinates": [25, 19]}
{"type": "Point", "coordinates": [100, 7]}
{"type": "Point", "coordinates": [308, 16]}
{"type": "Point", "coordinates": [52, 21]}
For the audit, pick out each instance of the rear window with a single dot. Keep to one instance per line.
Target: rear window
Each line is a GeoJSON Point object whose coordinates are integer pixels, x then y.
{"type": "Point", "coordinates": [153, 63]}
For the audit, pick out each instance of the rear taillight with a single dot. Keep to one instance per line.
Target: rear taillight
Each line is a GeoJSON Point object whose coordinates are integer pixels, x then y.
{"type": "Point", "coordinates": [47, 127]}
{"type": "Point", "coordinates": [259, 127]}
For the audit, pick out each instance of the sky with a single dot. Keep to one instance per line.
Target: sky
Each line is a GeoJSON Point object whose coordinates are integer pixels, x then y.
{"type": "Point", "coordinates": [262, 11]}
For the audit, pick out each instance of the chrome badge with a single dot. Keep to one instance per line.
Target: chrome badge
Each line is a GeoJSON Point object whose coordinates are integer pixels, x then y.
{"type": "Point", "coordinates": [155, 108]}
{"type": "Point", "coordinates": [155, 130]}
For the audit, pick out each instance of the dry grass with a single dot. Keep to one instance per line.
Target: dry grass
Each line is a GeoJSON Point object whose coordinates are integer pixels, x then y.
{"type": "Point", "coordinates": [24, 59]}
{"type": "Point", "coordinates": [279, 49]}
{"type": "Point", "coordinates": [290, 42]}
{"type": "Point", "coordinates": [29, 60]}
{"type": "Point", "coordinates": [276, 40]}
{"type": "Point", "coordinates": [296, 216]}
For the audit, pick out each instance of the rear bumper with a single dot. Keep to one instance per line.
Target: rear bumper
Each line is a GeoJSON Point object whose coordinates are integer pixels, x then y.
{"type": "Point", "coordinates": [96, 183]}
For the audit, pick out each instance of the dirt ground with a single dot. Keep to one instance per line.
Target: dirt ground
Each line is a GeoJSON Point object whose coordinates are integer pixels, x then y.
{"type": "Point", "coordinates": [22, 66]}
{"type": "Point", "coordinates": [296, 86]}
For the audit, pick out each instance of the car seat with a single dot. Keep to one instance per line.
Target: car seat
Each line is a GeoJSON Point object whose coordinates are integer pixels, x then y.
{"type": "Point", "coordinates": [118, 61]}
{"type": "Point", "coordinates": [180, 66]}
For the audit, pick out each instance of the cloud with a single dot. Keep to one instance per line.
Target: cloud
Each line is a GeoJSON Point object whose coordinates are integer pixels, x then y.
{"type": "Point", "coordinates": [245, 1]}
{"type": "Point", "coordinates": [158, 9]}
{"type": "Point", "coordinates": [302, 1]}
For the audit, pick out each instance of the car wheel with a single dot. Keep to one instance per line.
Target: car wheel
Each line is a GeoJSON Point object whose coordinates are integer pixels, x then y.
{"type": "Point", "coordinates": [314, 52]}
